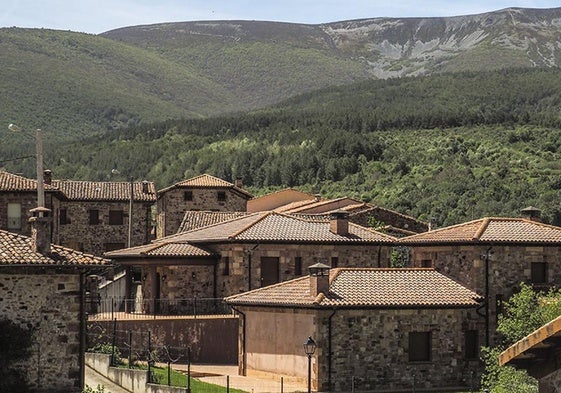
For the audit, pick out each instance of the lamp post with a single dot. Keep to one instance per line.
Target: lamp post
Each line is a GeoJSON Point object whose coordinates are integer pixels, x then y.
{"type": "Point", "coordinates": [309, 349]}
{"type": "Point", "coordinates": [39, 152]}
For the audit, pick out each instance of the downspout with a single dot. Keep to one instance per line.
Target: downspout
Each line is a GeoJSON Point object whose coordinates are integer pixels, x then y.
{"type": "Point", "coordinates": [215, 281]}
{"type": "Point", "coordinates": [379, 256]}
{"type": "Point", "coordinates": [487, 323]}
{"type": "Point", "coordinates": [249, 265]}
{"type": "Point", "coordinates": [83, 331]}
{"type": "Point", "coordinates": [243, 369]}
{"type": "Point", "coordinates": [329, 348]}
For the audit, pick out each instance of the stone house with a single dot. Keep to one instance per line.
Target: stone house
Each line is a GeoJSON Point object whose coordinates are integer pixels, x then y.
{"type": "Point", "coordinates": [42, 292]}
{"type": "Point", "coordinates": [95, 217]}
{"type": "Point", "coordinates": [247, 252]}
{"type": "Point", "coordinates": [375, 329]}
{"type": "Point", "coordinates": [92, 217]}
{"type": "Point", "coordinates": [204, 192]}
{"type": "Point", "coordinates": [492, 256]}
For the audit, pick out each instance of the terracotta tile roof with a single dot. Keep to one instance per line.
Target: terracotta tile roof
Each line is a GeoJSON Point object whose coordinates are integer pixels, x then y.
{"type": "Point", "coordinates": [279, 199]}
{"type": "Point", "coordinates": [276, 227]}
{"type": "Point", "coordinates": [105, 191]}
{"type": "Point", "coordinates": [490, 230]}
{"type": "Point", "coordinates": [290, 207]}
{"type": "Point", "coordinates": [206, 181]}
{"type": "Point", "coordinates": [324, 206]}
{"type": "Point", "coordinates": [11, 182]}
{"type": "Point", "coordinates": [161, 249]}
{"type": "Point", "coordinates": [16, 250]}
{"type": "Point", "coordinates": [197, 219]}
{"type": "Point", "coordinates": [366, 288]}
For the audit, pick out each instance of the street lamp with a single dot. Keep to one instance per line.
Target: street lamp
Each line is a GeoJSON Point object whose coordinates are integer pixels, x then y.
{"type": "Point", "coordinates": [39, 149]}
{"type": "Point", "coordinates": [309, 349]}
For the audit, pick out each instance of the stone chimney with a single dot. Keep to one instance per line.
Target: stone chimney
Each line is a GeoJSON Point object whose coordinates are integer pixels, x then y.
{"type": "Point", "coordinates": [339, 222]}
{"type": "Point", "coordinates": [319, 279]}
{"type": "Point", "coordinates": [41, 230]}
{"type": "Point", "coordinates": [145, 184]}
{"type": "Point", "coordinates": [47, 176]}
{"type": "Point", "coordinates": [532, 213]}
{"type": "Point", "coordinates": [238, 182]}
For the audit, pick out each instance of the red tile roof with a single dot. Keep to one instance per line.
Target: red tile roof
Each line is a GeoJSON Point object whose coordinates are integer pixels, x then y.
{"type": "Point", "coordinates": [105, 191]}
{"type": "Point", "coordinates": [16, 250]}
{"type": "Point", "coordinates": [490, 230]}
{"type": "Point", "coordinates": [366, 288]}
{"type": "Point", "coordinates": [160, 249]}
{"type": "Point", "coordinates": [11, 182]}
{"type": "Point", "coordinates": [206, 181]}
{"type": "Point", "coordinates": [197, 219]}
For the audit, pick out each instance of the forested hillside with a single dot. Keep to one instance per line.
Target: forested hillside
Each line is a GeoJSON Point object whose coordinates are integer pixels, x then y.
{"type": "Point", "coordinates": [453, 147]}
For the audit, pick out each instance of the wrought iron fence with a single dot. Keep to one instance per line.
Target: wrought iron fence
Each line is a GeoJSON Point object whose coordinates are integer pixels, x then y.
{"type": "Point", "coordinates": [111, 308]}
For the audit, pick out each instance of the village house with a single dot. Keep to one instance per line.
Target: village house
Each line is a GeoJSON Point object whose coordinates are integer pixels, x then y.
{"type": "Point", "coordinates": [492, 256]}
{"type": "Point", "coordinates": [204, 192]}
{"type": "Point", "coordinates": [375, 330]}
{"type": "Point", "coordinates": [247, 252]}
{"type": "Point", "coordinates": [92, 217]}
{"type": "Point", "coordinates": [43, 294]}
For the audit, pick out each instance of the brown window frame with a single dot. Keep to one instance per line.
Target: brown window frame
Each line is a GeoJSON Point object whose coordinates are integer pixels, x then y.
{"type": "Point", "coordinates": [93, 217]}
{"type": "Point", "coordinates": [221, 196]}
{"type": "Point", "coordinates": [420, 346]}
{"type": "Point", "coordinates": [116, 217]}
{"type": "Point", "coordinates": [538, 272]}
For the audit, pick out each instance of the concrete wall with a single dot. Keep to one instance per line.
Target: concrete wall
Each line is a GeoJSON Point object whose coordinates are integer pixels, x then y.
{"type": "Point", "coordinates": [211, 339]}
{"type": "Point", "coordinates": [172, 205]}
{"type": "Point", "coordinates": [49, 304]}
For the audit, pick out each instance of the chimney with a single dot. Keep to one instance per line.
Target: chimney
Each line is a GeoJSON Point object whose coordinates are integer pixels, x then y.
{"type": "Point", "coordinates": [238, 182]}
{"type": "Point", "coordinates": [40, 230]}
{"type": "Point", "coordinates": [532, 213]}
{"type": "Point", "coordinates": [319, 279]}
{"type": "Point", "coordinates": [47, 176]}
{"type": "Point", "coordinates": [339, 222]}
{"type": "Point", "coordinates": [145, 184]}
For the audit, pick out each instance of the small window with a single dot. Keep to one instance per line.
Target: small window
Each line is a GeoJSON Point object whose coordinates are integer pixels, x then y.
{"type": "Point", "coordinates": [226, 271]}
{"type": "Point", "coordinates": [298, 266]}
{"type": "Point", "coordinates": [188, 196]}
{"type": "Point", "coordinates": [334, 262]}
{"type": "Point", "coordinates": [221, 195]}
{"type": "Point", "coordinates": [14, 216]}
{"type": "Point", "coordinates": [94, 217]}
{"type": "Point", "coordinates": [115, 217]}
{"type": "Point", "coordinates": [471, 344]}
{"type": "Point", "coordinates": [419, 346]}
{"type": "Point", "coordinates": [539, 272]}
{"type": "Point", "coordinates": [426, 263]}
{"type": "Point", "coordinates": [63, 217]}
{"type": "Point", "coordinates": [113, 246]}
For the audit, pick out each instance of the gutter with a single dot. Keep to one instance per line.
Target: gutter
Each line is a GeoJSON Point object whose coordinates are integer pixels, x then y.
{"type": "Point", "coordinates": [243, 369]}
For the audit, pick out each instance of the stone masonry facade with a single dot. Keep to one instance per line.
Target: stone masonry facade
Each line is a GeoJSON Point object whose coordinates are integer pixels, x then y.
{"type": "Point", "coordinates": [173, 203]}
{"type": "Point", "coordinates": [26, 202]}
{"type": "Point", "coordinates": [78, 233]}
{"type": "Point", "coordinates": [373, 347]}
{"type": "Point", "coordinates": [233, 274]}
{"type": "Point", "coordinates": [49, 304]}
{"type": "Point", "coordinates": [508, 267]}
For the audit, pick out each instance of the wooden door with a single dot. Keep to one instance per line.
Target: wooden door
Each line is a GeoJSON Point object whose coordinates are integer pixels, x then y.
{"type": "Point", "coordinates": [269, 271]}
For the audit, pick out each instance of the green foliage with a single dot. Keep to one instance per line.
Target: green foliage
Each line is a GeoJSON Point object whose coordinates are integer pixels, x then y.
{"type": "Point", "coordinates": [15, 345]}
{"type": "Point", "coordinates": [98, 389]}
{"type": "Point", "coordinates": [524, 312]}
{"type": "Point", "coordinates": [108, 349]}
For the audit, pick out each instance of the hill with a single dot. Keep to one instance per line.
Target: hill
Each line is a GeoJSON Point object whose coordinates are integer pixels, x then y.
{"type": "Point", "coordinates": [466, 150]}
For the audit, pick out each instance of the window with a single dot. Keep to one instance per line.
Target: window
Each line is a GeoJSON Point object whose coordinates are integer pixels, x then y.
{"type": "Point", "coordinates": [113, 246]}
{"type": "Point", "coordinates": [63, 217]}
{"type": "Point", "coordinates": [298, 266]}
{"type": "Point", "coordinates": [94, 217]}
{"type": "Point", "coordinates": [419, 346]}
{"type": "Point", "coordinates": [539, 273]}
{"type": "Point", "coordinates": [14, 216]}
{"type": "Point", "coordinates": [115, 217]}
{"type": "Point", "coordinates": [226, 271]}
{"type": "Point", "coordinates": [221, 195]}
{"type": "Point", "coordinates": [188, 196]}
{"type": "Point", "coordinates": [334, 262]}
{"type": "Point", "coordinates": [426, 263]}
{"type": "Point", "coordinates": [471, 344]}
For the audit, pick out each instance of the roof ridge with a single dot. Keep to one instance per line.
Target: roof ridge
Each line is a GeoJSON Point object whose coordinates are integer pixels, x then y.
{"type": "Point", "coordinates": [370, 229]}
{"type": "Point", "coordinates": [239, 232]}
{"type": "Point", "coordinates": [481, 230]}
{"type": "Point", "coordinates": [175, 235]}
{"type": "Point", "coordinates": [256, 290]}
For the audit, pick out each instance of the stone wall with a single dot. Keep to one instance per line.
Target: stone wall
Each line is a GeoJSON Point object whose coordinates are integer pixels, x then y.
{"type": "Point", "coordinates": [371, 347]}
{"type": "Point", "coordinates": [172, 205]}
{"type": "Point", "coordinates": [508, 267]}
{"type": "Point", "coordinates": [97, 239]}
{"type": "Point", "coordinates": [28, 201]}
{"type": "Point", "coordinates": [183, 281]}
{"type": "Point", "coordinates": [48, 304]}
